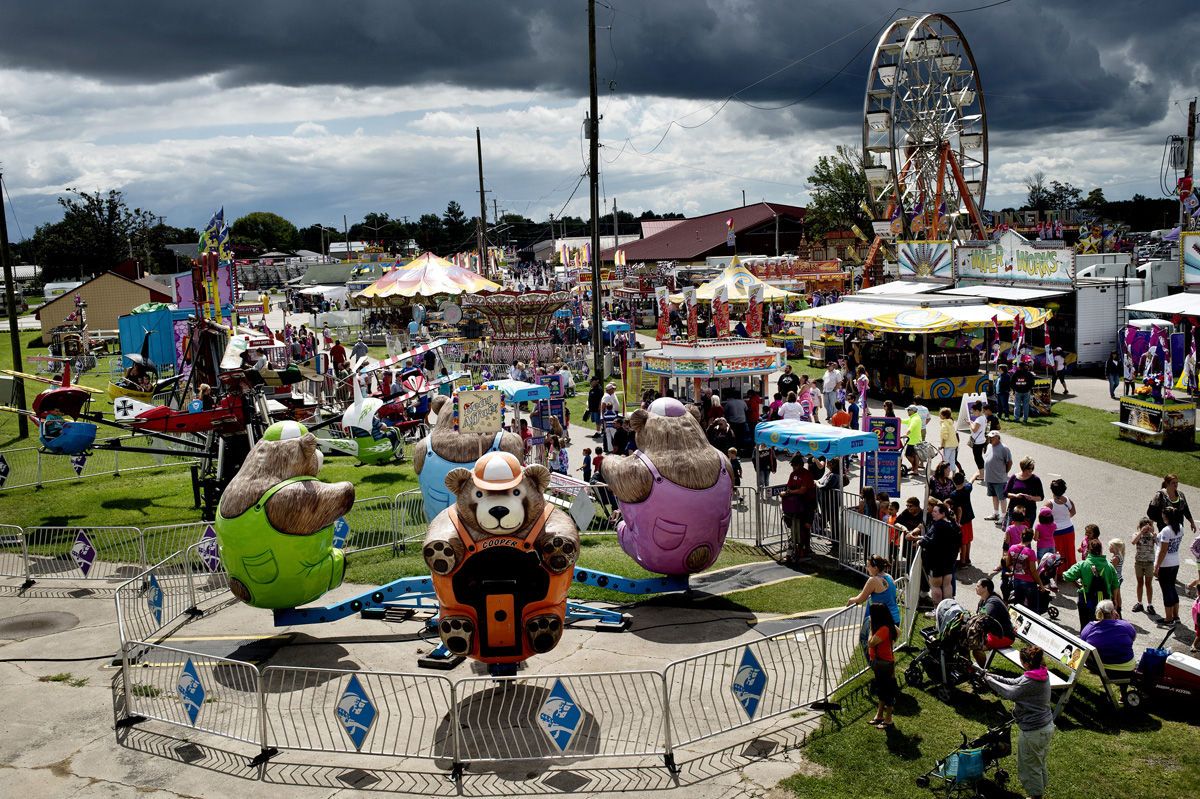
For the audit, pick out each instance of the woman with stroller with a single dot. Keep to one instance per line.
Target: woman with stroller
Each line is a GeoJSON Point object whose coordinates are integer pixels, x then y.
{"type": "Point", "coordinates": [1034, 717]}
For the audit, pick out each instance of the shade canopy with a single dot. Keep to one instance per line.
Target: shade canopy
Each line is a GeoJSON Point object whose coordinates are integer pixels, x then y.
{"type": "Point", "coordinates": [519, 390]}
{"type": "Point", "coordinates": [881, 317]}
{"type": "Point", "coordinates": [426, 276]}
{"type": "Point", "coordinates": [814, 439]}
{"type": "Point", "coordinates": [739, 281]}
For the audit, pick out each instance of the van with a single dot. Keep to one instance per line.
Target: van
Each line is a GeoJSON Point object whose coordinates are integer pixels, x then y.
{"type": "Point", "coordinates": [22, 305]}
{"type": "Point", "coordinates": [53, 290]}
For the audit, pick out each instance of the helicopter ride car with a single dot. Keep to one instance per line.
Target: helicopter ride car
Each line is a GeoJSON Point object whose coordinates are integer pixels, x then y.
{"type": "Point", "coordinates": [52, 408]}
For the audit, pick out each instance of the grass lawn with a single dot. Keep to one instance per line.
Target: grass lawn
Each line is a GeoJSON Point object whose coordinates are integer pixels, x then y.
{"type": "Point", "coordinates": [1087, 431]}
{"type": "Point", "coordinates": [1096, 753]}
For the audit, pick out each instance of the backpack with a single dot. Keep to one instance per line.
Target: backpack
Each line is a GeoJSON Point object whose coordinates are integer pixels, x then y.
{"type": "Point", "coordinates": [1095, 588]}
{"type": "Point", "coordinates": [1196, 547]}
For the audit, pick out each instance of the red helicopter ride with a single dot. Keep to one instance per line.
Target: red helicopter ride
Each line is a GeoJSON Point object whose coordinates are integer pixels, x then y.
{"type": "Point", "coordinates": [54, 406]}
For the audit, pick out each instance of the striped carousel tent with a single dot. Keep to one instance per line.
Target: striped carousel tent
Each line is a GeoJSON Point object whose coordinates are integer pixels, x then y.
{"type": "Point", "coordinates": [739, 280]}
{"type": "Point", "coordinates": [425, 276]}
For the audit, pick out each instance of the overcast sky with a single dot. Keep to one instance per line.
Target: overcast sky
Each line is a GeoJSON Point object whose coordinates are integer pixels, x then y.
{"type": "Point", "coordinates": [314, 109]}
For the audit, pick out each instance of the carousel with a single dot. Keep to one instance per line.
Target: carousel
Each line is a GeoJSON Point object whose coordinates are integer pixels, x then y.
{"type": "Point", "coordinates": [520, 323]}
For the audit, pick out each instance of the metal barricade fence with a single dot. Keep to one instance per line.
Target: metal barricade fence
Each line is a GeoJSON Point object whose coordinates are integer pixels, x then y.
{"type": "Point", "coordinates": [153, 599]}
{"type": "Point", "coordinates": [844, 654]}
{"type": "Point", "coordinates": [408, 517]}
{"type": "Point", "coordinates": [164, 539]}
{"type": "Point", "coordinates": [742, 525]}
{"type": "Point", "coordinates": [93, 553]}
{"type": "Point", "coordinates": [740, 684]}
{"type": "Point", "coordinates": [14, 556]}
{"type": "Point", "coordinates": [776, 538]}
{"type": "Point", "coordinates": [207, 581]}
{"type": "Point", "coordinates": [549, 717]}
{"type": "Point", "coordinates": [23, 467]}
{"type": "Point", "coordinates": [378, 713]}
{"type": "Point", "coordinates": [866, 536]}
{"type": "Point", "coordinates": [371, 524]}
{"type": "Point", "coordinates": [827, 524]}
{"type": "Point", "coordinates": [29, 466]}
{"type": "Point", "coordinates": [202, 692]}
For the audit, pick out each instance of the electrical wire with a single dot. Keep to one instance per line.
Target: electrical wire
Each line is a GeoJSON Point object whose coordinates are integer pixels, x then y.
{"type": "Point", "coordinates": [16, 221]}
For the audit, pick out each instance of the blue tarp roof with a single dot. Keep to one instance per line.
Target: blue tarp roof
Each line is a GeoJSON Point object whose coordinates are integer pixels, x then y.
{"type": "Point", "coordinates": [520, 391]}
{"type": "Point", "coordinates": [814, 439]}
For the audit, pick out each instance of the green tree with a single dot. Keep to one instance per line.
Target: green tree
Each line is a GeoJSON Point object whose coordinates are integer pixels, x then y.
{"type": "Point", "coordinates": [430, 233]}
{"type": "Point", "coordinates": [839, 187]}
{"type": "Point", "coordinates": [97, 232]}
{"type": "Point", "coordinates": [457, 227]}
{"type": "Point", "coordinates": [1063, 196]}
{"type": "Point", "coordinates": [264, 230]}
{"type": "Point", "coordinates": [1038, 195]}
{"type": "Point", "coordinates": [1094, 200]}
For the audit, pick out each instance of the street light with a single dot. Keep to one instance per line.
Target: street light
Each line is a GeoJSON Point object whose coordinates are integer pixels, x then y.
{"type": "Point", "coordinates": [324, 246]}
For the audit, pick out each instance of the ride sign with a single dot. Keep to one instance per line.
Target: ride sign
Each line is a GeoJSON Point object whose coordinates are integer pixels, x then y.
{"type": "Point", "coordinates": [479, 411]}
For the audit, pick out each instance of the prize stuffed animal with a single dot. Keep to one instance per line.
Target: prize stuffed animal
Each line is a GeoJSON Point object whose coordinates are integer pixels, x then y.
{"type": "Point", "coordinates": [502, 560]}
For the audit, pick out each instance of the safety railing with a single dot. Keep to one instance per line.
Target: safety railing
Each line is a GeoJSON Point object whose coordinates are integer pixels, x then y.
{"type": "Point", "coordinates": [382, 713]}
{"type": "Point", "coordinates": [408, 516]}
{"type": "Point", "coordinates": [547, 717]}
{"type": "Point", "coordinates": [740, 684]}
{"type": "Point", "coordinates": [370, 524]}
{"type": "Point", "coordinates": [152, 600]}
{"type": "Point", "coordinates": [164, 539]}
{"type": "Point", "coordinates": [14, 556]}
{"type": "Point", "coordinates": [91, 553]}
{"type": "Point", "coordinates": [30, 466]}
{"type": "Point", "coordinates": [743, 526]}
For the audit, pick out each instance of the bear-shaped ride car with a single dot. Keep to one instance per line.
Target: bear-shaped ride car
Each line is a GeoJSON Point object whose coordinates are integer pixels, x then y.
{"type": "Point", "coordinates": [275, 525]}
{"type": "Point", "coordinates": [502, 560]}
{"type": "Point", "coordinates": [675, 492]}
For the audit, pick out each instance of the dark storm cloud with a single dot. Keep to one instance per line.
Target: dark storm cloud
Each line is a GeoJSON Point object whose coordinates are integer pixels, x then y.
{"type": "Point", "coordinates": [1052, 65]}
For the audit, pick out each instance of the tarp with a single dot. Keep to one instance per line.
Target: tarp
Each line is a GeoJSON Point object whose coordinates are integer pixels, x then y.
{"type": "Point", "coordinates": [739, 280]}
{"type": "Point", "coordinates": [519, 390]}
{"type": "Point", "coordinates": [814, 439]}
{"type": "Point", "coordinates": [1006, 293]}
{"type": "Point", "coordinates": [426, 276]}
{"type": "Point", "coordinates": [1185, 304]}
{"type": "Point", "coordinates": [901, 287]}
{"type": "Point", "coordinates": [150, 307]}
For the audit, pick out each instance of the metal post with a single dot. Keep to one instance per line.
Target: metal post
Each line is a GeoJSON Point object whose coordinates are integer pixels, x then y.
{"type": "Point", "coordinates": [593, 133]}
{"type": "Point", "coordinates": [10, 302]}
{"type": "Point", "coordinates": [668, 747]}
{"type": "Point", "coordinates": [480, 239]}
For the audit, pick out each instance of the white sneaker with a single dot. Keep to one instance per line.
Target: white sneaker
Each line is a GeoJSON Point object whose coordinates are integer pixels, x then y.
{"type": "Point", "coordinates": [991, 518]}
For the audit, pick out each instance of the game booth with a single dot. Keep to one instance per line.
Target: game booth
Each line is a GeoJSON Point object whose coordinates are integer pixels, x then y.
{"type": "Point", "coordinates": [1161, 411]}
{"type": "Point", "coordinates": [921, 347]}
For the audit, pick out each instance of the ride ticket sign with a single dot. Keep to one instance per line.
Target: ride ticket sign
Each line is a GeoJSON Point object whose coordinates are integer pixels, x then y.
{"type": "Point", "coordinates": [887, 430]}
{"type": "Point", "coordinates": [480, 411]}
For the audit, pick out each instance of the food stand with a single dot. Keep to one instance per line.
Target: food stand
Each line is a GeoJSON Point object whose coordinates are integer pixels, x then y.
{"type": "Point", "coordinates": [916, 347]}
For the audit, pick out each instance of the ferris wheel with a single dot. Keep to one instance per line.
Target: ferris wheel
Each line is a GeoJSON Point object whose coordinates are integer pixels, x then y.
{"type": "Point", "coordinates": [925, 131]}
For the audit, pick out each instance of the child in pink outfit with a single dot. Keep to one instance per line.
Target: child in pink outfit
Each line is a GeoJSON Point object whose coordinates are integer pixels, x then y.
{"type": "Point", "coordinates": [1044, 528]}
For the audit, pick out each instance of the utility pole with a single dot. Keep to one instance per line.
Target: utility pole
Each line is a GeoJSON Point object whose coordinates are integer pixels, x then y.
{"type": "Point", "coordinates": [346, 225]}
{"type": "Point", "coordinates": [479, 237]}
{"type": "Point", "coordinates": [743, 198]}
{"type": "Point", "coordinates": [616, 233]}
{"type": "Point", "coordinates": [593, 132]}
{"type": "Point", "coordinates": [495, 211]}
{"type": "Point", "coordinates": [10, 303]}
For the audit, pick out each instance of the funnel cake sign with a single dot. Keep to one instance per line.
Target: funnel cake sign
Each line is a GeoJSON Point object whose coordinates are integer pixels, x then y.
{"type": "Point", "coordinates": [1015, 259]}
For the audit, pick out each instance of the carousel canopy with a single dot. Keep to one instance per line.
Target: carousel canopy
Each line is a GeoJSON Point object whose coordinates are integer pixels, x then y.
{"type": "Point", "coordinates": [917, 316]}
{"type": "Point", "coordinates": [739, 280]}
{"type": "Point", "coordinates": [426, 276]}
{"type": "Point", "coordinates": [815, 439]}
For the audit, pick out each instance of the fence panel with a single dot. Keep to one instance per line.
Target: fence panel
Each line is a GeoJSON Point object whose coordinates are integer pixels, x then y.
{"type": "Point", "coordinates": [845, 656]}
{"type": "Point", "coordinates": [201, 692]}
{"type": "Point", "coordinates": [150, 601]}
{"type": "Point", "coordinates": [827, 533]}
{"type": "Point", "coordinates": [14, 557]}
{"type": "Point", "coordinates": [409, 517]}
{"type": "Point", "coordinates": [93, 553]}
{"type": "Point", "coordinates": [23, 467]}
{"type": "Point", "coordinates": [208, 573]}
{"type": "Point", "coordinates": [371, 524]}
{"type": "Point", "coordinates": [560, 716]}
{"type": "Point", "coordinates": [166, 539]}
{"type": "Point", "coordinates": [740, 684]}
{"type": "Point", "coordinates": [776, 534]}
{"type": "Point", "coordinates": [379, 713]}
{"type": "Point", "coordinates": [742, 527]}
{"type": "Point", "coordinates": [29, 466]}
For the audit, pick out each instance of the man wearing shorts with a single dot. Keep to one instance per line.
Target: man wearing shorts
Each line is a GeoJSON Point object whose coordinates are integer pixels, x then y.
{"type": "Point", "coordinates": [997, 463]}
{"type": "Point", "coordinates": [914, 434]}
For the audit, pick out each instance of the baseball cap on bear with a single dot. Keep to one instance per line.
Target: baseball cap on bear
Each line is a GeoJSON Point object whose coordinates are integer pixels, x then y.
{"type": "Point", "coordinates": [497, 471]}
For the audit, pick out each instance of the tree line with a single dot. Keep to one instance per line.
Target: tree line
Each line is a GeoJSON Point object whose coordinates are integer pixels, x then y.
{"type": "Point", "coordinates": [99, 231]}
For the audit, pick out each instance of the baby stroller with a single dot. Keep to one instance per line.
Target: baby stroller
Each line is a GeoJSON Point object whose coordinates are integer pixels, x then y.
{"type": "Point", "coordinates": [964, 768]}
{"type": "Point", "coordinates": [945, 659]}
{"type": "Point", "coordinates": [1048, 569]}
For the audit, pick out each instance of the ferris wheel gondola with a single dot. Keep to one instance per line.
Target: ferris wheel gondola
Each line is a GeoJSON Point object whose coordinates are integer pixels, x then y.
{"type": "Point", "coordinates": [925, 131]}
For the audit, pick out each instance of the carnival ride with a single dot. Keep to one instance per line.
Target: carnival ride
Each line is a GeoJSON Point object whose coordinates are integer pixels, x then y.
{"type": "Point", "coordinates": [925, 131]}
{"type": "Point", "coordinates": [141, 381]}
{"type": "Point", "coordinates": [64, 400]}
{"type": "Point", "coordinates": [520, 323]}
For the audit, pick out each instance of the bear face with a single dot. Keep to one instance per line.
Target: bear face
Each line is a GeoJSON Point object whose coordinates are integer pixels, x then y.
{"type": "Point", "coordinates": [511, 511]}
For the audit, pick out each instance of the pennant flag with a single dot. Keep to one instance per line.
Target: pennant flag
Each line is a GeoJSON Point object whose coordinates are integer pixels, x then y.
{"type": "Point", "coordinates": [720, 307]}
{"type": "Point", "coordinates": [730, 239]}
{"type": "Point", "coordinates": [897, 222]}
{"type": "Point", "coordinates": [754, 309]}
{"type": "Point", "coordinates": [917, 222]}
{"type": "Point", "coordinates": [664, 311]}
{"type": "Point", "coordinates": [941, 221]}
{"type": "Point", "coordinates": [693, 325]}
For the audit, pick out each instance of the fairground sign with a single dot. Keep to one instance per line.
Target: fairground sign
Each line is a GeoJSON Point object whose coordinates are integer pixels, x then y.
{"type": "Point", "coordinates": [1015, 259]}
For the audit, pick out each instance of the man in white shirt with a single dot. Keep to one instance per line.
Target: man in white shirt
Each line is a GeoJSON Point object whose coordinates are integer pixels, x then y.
{"type": "Point", "coordinates": [829, 388]}
{"type": "Point", "coordinates": [1060, 370]}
